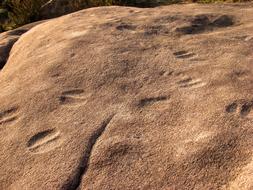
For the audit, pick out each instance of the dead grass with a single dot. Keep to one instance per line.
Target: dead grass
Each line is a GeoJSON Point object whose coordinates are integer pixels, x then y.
{"type": "Point", "coordinates": [20, 12]}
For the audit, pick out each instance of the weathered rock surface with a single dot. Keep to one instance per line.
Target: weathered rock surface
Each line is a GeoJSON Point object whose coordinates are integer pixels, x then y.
{"type": "Point", "coordinates": [128, 98]}
{"type": "Point", "coordinates": [7, 40]}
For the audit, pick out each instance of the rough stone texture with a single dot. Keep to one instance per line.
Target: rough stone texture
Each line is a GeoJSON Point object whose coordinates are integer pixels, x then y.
{"type": "Point", "coordinates": [7, 40]}
{"type": "Point", "coordinates": [127, 98]}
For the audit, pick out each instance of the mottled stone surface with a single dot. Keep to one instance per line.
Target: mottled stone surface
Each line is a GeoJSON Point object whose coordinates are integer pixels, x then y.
{"type": "Point", "coordinates": [128, 98]}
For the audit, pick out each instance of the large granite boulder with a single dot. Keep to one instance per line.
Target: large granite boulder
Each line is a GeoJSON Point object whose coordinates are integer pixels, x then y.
{"type": "Point", "coordinates": [128, 98]}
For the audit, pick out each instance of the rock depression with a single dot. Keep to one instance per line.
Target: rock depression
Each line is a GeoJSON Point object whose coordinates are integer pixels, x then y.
{"type": "Point", "coordinates": [128, 98]}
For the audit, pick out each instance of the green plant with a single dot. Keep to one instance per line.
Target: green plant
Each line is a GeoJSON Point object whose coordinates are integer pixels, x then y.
{"type": "Point", "coordinates": [22, 11]}
{"type": "Point", "coordinates": [3, 14]}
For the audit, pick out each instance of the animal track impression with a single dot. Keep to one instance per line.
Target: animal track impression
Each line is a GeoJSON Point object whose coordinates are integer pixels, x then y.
{"type": "Point", "coordinates": [242, 108]}
{"type": "Point", "coordinates": [73, 97]}
{"type": "Point", "coordinates": [189, 82]}
{"type": "Point", "coordinates": [44, 141]}
{"type": "Point", "coordinates": [152, 100]}
{"type": "Point", "coordinates": [8, 115]}
{"type": "Point", "coordinates": [125, 26]}
{"type": "Point", "coordinates": [183, 54]}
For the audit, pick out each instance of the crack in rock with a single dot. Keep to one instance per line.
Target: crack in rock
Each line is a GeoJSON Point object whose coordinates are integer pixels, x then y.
{"type": "Point", "coordinates": [75, 181]}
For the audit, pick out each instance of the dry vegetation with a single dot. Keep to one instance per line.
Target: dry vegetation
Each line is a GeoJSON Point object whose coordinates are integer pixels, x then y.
{"type": "Point", "coordinates": [14, 13]}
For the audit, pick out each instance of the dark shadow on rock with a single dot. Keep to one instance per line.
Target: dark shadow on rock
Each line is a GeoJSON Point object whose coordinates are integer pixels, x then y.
{"type": "Point", "coordinates": [9, 38]}
{"type": "Point", "coordinates": [5, 51]}
{"type": "Point", "coordinates": [223, 21]}
{"type": "Point", "coordinates": [203, 23]}
{"type": "Point", "coordinates": [18, 32]}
